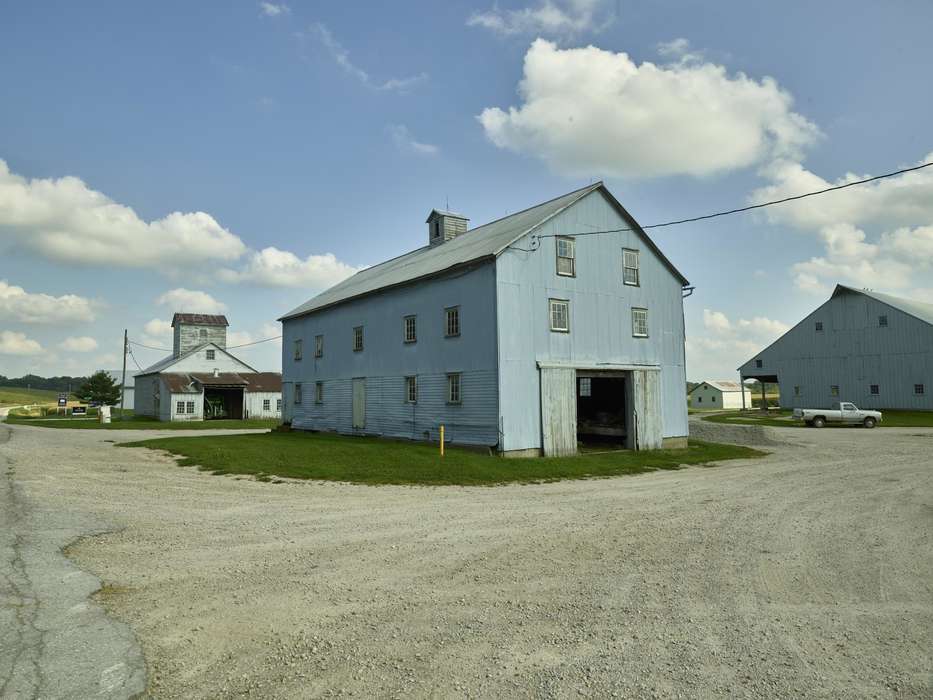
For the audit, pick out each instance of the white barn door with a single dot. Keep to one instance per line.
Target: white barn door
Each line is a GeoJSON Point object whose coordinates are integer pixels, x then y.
{"type": "Point", "coordinates": [359, 403]}
{"type": "Point", "coordinates": [558, 411]}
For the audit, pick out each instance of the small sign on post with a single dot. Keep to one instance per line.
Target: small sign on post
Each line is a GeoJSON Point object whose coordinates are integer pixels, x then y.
{"type": "Point", "coordinates": [79, 410]}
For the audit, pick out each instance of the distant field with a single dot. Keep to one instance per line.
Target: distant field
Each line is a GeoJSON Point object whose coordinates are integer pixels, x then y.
{"type": "Point", "coordinates": [16, 396]}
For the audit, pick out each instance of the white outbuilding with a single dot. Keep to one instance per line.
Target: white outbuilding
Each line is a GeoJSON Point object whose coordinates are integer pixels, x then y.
{"type": "Point", "coordinates": [721, 394]}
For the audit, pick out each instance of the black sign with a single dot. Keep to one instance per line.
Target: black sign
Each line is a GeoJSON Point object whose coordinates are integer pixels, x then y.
{"type": "Point", "coordinates": [62, 400]}
{"type": "Point", "coordinates": [79, 411]}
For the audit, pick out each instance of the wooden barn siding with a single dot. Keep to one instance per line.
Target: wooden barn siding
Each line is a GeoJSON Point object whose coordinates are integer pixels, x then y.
{"type": "Point", "coordinates": [186, 337]}
{"type": "Point", "coordinates": [558, 411]}
{"type": "Point", "coordinates": [198, 362]}
{"type": "Point", "coordinates": [386, 360]}
{"type": "Point", "coordinates": [600, 318]}
{"type": "Point", "coordinates": [852, 352]}
{"type": "Point", "coordinates": [252, 404]}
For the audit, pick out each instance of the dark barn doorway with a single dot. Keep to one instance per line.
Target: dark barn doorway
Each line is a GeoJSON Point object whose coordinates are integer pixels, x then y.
{"type": "Point", "coordinates": [223, 403]}
{"type": "Point", "coordinates": [601, 419]}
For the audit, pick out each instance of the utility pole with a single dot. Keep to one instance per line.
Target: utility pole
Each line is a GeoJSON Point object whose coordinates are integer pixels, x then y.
{"type": "Point", "coordinates": [123, 384]}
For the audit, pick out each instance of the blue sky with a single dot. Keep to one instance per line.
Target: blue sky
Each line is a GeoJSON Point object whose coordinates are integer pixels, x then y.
{"type": "Point", "coordinates": [240, 157]}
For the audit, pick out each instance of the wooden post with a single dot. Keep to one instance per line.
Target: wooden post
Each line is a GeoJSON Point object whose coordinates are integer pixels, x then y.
{"type": "Point", "coordinates": [442, 441]}
{"type": "Point", "coordinates": [123, 384]}
{"type": "Point", "coordinates": [764, 397]}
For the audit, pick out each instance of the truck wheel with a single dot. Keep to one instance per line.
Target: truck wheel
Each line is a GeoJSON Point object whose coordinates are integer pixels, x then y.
{"type": "Point", "coordinates": [869, 422]}
{"type": "Point", "coordinates": [818, 422]}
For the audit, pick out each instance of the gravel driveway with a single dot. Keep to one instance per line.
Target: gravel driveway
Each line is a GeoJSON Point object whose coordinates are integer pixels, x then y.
{"type": "Point", "coordinates": [804, 574]}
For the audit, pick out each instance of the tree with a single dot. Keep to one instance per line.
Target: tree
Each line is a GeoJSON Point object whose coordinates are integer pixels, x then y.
{"type": "Point", "coordinates": [101, 387]}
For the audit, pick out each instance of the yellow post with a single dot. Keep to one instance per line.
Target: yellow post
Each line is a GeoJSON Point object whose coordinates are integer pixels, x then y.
{"type": "Point", "coordinates": [442, 441]}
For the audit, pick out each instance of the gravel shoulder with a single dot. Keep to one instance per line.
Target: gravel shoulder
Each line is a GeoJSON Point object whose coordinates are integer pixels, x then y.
{"type": "Point", "coordinates": [806, 573]}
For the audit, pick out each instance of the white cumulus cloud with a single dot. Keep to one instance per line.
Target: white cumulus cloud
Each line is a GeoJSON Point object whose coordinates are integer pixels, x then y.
{"type": "Point", "coordinates": [271, 9]}
{"type": "Point", "coordinates": [66, 220]}
{"type": "Point", "coordinates": [16, 304]}
{"type": "Point", "coordinates": [407, 143]}
{"type": "Point", "coordinates": [549, 18]}
{"type": "Point", "coordinates": [12, 343]}
{"type": "Point", "coordinates": [587, 111]}
{"type": "Point", "coordinates": [279, 268]}
{"type": "Point", "coordinates": [81, 343]}
{"type": "Point", "coordinates": [192, 301]}
{"type": "Point", "coordinates": [725, 343]}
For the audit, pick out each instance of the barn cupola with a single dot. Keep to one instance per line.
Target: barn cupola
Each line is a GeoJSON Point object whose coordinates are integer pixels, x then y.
{"type": "Point", "coordinates": [194, 330]}
{"type": "Point", "coordinates": [445, 225]}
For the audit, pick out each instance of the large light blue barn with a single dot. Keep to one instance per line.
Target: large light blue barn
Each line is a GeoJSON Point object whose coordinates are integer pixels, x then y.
{"type": "Point", "coordinates": [524, 334]}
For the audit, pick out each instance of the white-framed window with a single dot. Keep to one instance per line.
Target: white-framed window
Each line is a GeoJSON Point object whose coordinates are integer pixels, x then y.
{"type": "Point", "coordinates": [873, 388]}
{"type": "Point", "coordinates": [453, 387]}
{"type": "Point", "coordinates": [758, 363]}
{"type": "Point", "coordinates": [630, 267]}
{"type": "Point", "coordinates": [298, 393]}
{"type": "Point", "coordinates": [190, 406]}
{"type": "Point", "coordinates": [834, 390]}
{"type": "Point", "coordinates": [918, 389]}
{"type": "Point", "coordinates": [278, 405]}
{"type": "Point", "coordinates": [357, 338]}
{"type": "Point", "coordinates": [819, 326]}
{"type": "Point", "coordinates": [297, 345]}
{"type": "Point", "coordinates": [209, 354]}
{"type": "Point", "coordinates": [180, 407]}
{"type": "Point", "coordinates": [267, 404]}
{"type": "Point", "coordinates": [640, 323]}
{"type": "Point", "coordinates": [318, 392]}
{"type": "Point", "coordinates": [410, 328]}
{"type": "Point", "coordinates": [796, 390]}
{"type": "Point", "coordinates": [411, 389]}
{"type": "Point", "coordinates": [559, 312]}
{"type": "Point", "coordinates": [452, 321]}
{"type": "Point", "coordinates": [586, 386]}
{"type": "Point", "coordinates": [883, 320]}
{"type": "Point", "coordinates": [319, 346]}
{"type": "Point", "coordinates": [566, 256]}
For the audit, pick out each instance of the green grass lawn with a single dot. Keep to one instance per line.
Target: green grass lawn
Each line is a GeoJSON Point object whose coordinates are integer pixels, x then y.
{"type": "Point", "coordinates": [782, 419]}
{"type": "Point", "coordinates": [361, 460]}
{"type": "Point", "coordinates": [141, 423]}
{"type": "Point", "coordinates": [16, 396]}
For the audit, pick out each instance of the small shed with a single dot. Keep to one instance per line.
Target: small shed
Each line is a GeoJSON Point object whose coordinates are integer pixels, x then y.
{"type": "Point", "coordinates": [719, 394]}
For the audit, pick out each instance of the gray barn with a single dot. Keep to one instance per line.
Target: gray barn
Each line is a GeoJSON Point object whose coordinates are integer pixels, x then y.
{"type": "Point", "coordinates": [875, 350]}
{"type": "Point", "coordinates": [520, 335]}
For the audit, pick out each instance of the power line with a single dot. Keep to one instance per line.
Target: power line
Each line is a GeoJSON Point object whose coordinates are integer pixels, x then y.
{"type": "Point", "coordinates": [740, 209]}
{"type": "Point", "coordinates": [130, 351]}
{"type": "Point", "coordinates": [149, 347]}
{"type": "Point", "coordinates": [255, 342]}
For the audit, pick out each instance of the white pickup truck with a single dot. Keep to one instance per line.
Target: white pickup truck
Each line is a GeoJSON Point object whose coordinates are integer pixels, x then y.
{"type": "Point", "coordinates": [847, 413]}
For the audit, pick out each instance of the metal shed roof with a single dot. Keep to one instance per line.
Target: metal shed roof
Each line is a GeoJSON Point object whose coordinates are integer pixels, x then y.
{"type": "Point", "coordinates": [483, 242]}
{"type": "Point", "coordinates": [199, 319]}
{"type": "Point", "coordinates": [724, 386]}
{"type": "Point", "coordinates": [917, 309]}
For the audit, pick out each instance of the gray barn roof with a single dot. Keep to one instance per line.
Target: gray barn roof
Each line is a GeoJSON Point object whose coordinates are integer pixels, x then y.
{"type": "Point", "coordinates": [483, 242]}
{"type": "Point", "coordinates": [167, 362]}
{"type": "Point", "coordinates": [918, 309]}
{"type": "Point", "coordinates": [200, 319]}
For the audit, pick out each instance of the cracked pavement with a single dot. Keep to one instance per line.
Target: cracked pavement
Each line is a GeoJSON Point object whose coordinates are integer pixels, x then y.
{"type": "Point", "coordinates": [54, 641]}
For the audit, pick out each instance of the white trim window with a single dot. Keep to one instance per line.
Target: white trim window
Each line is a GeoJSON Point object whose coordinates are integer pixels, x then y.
{"type": "Point", "coordinates": [566, 256]}
{"type": "Point", "coordinates": [318, 392]}
{"type": "Point", "coordinates": [267, 404]}
{"type": "Point", "coordinates": [357, 338]}
{"type": "Point", "coordinates": [190, 406]}
{"type": "Point", "coordinates": [411, 389]}
{"type": "Point", "coordinates": [453, 387]}
{"type": "Point", "coordinates": [278, 405]}
{"type": "Point", "coordinates": [319, 346]}
{"type": "Point", "coordinates": [559, 313]}
{"type": "Point", "coordinates": [918, 390]}
{"type": "Point", "coordinates": [411, 329]}
{"type": "Point", "coordinates": [640, 323]}
{"type": "Point", "coordinates": [180, 407]}
{"type": "Point", "coordinates": [452, 318]}
{"type": "Point", "coordinates": [297, 345]}
{"type": "Point", "coordinates": [298, 394]}
{"type": "Point", "coordinates": [630, 274]}
{"type": "Point", "coordinates": [834, 390]}
{"type": "Point", "coordinates": [209, 354]}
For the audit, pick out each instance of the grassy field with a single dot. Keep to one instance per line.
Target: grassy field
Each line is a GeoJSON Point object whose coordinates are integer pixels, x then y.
{"type": "Point", "coordinates": [16, 396]}
{"type": "Point", "coordinates": [376, 461]}
{"type": "Point", "coordinates": [782, 419]}
{"type": "Point", "coordinates": [141, 423]}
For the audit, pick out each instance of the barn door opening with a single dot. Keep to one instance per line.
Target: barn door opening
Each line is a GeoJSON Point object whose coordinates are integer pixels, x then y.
{"type": "Point", "coordinates": [601, 410]}
{"type": "Point", "coordinates": [359, 403]}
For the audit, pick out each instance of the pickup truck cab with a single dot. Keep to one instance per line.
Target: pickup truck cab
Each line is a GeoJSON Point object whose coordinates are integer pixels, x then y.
{"type": "Point", "coordinates": [845, 412]}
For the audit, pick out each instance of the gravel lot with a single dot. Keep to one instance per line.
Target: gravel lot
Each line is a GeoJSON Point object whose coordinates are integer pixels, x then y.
{"type": "Point", "coordinates": [804, 574]}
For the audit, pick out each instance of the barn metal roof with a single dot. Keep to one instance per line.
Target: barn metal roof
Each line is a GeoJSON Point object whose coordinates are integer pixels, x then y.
{"type": "Point", "coordinates": [723, 386]}
{"type": "Point", "coordinates": [167, 362]}
{"type": "Point", "coordinates": [184, 382]}
{"type": "Point", "coordinates": [483, 242]}
{"type": "Point", "coordinates": [199, 319]}
{"type": "Point", "coordinates": [917, 309]}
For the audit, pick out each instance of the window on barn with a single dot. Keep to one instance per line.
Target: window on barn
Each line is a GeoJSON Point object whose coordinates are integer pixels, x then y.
{"type": "Point", "coordinates": [559, 311]}
{"type": "Point", "coordinates": [640, 323]}
{"type": "Point", "coordinates": [319, 346]}
{"type": "Point", "coordinates": [452, 326]}
{"type": "Point", "coordinates": [453, 388]}
{"type": "Point", "coordinates": [630, 267]}
{"type": "Point", "coordinates": [319, 392]}
{"type": "Point", "coordinates": [202, 335]}
{"type": "Point", "coordinates": [357, 338]}
{"type": "Point", "coordinates": [586, 386]}
{"type": "Point", "coordinates": [834, 390]}
{"type": "Point", "coordinates": [796, 390]}
{"type": "Point", "coordinates": [190, 407]}
{"type": "Point", "coordinates": [757, 363]}
{"type": "Point", "coordinates": [411, 389]}
{"type": "Point", "coordinates": [267, 404]}
{"type": "Point", "coordinates": [874, 389]}
{"type": "Point", "coordinates": [180, 407]}
{"type": "Point", "coordinates": [278, 405]}
{"type": "Point", "coordinates": [298, 393]}
{"type": "Point", "coordinates": [699, 399]}
{"type": "Point", "coordinates": [298, 349]}
{"type": "Point", "coordinates": [209, 354]}
{"type": "Point", "coordinates": [819, 325]}
{"type": "Point", "coordinates": [918, 389]}
{"type": "Point", "coordinates": [566, 263]}
{"type": "Point", "coordinates": [883, 320]}
{"type": "Point", "coordinates": [411, 329]}
{"type": "Point", "coordinates": [713, 399]}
